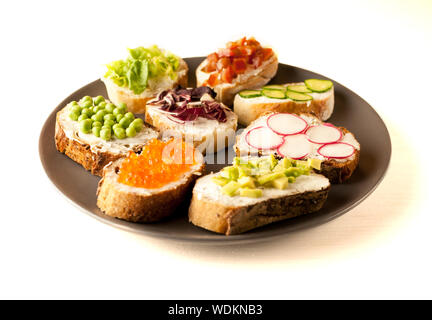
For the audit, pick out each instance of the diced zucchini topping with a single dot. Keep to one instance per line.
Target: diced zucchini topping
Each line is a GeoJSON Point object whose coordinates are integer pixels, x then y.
{"type": "Point", "coordinates": [248, 177]}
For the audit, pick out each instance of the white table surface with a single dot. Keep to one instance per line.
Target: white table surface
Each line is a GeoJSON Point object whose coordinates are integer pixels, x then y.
{"type": "Point", "coordinates": [380, 249]}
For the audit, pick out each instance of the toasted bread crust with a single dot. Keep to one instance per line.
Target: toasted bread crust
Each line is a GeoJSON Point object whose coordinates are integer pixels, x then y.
{"type": "Point", "coordinates": [228, 220]}
{"type": "Point", "coordinates": [248, 112]}
{"type": "Point", "coordinates": [137, 103]}
{"type": "Point", "coordinates": [136, 207]}
{"type": "Point", "coordinates": [81, 152]}
{"type": "Point", "coordinates": [226, 92]}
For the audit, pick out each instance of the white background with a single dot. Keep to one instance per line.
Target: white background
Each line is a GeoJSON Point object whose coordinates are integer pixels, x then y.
{"type": "Point", "coordinates": [381, 50]}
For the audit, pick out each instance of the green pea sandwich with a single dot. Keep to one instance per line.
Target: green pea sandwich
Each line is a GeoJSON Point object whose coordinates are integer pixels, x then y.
{"type": "Point", "coordinates": [142, 75]}
{"type": "Point", "coordinates": [93, 132]}
{"type": "Point", "coordinates": [256, 191]}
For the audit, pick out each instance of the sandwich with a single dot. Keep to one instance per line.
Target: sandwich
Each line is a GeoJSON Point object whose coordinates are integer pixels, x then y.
{"type": "Point", "coordinates": [311, 96]}
{"type": "Point", "coordinates": [194, 116]}
{"type": "Point", "coordinates": [149, 186]}
{"type": "Point", "coordinates": [302, 137]}
{"type": "Point", "coordinates": [242, 64]}
{"type": "Point", "coordinates": [142, 75]}
{"type": "Point", "coordinates": [254, 192]}
{"type": "Point", "coordinates": [94, 132]}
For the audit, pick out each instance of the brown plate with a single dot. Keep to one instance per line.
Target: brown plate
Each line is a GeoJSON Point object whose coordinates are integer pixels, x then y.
{"type": "Point", "coordinates": [350, 111]}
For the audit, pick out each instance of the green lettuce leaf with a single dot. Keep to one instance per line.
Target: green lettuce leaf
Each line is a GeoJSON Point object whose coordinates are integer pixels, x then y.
{"type": "Point", "coordinates": [141, 65]}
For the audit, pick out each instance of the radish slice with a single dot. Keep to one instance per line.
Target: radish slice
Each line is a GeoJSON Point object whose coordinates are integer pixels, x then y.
{"type": "Point", "coordinates": [338, 150]}
{"type": "Point", "coordinates": [263, 138]}
{"type": "Point", "coordinates": [286, 123]}
{"type": "Point", "coordinates": [324, 133]}
{"type": "Point", "coordinates": [295, 146]}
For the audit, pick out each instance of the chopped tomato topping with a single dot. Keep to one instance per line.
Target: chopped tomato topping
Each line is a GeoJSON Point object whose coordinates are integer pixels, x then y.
{"type": "Point", "coordinates": [227, 74]}
{"type": "Point", "coordinates": [239, 65]}
{"type": "Point", "coordinates": [234, 59]}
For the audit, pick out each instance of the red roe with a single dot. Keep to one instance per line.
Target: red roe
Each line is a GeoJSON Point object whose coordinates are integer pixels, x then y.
{"type": "Point", "coordinates": [159, 163]}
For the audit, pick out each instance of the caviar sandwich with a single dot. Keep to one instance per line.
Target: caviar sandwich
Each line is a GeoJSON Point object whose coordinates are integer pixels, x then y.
{"type": "Point", "coordinates": [150, 186]}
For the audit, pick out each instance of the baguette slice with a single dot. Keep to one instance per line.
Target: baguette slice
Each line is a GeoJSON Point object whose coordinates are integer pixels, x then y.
{"type": "Point", "coordinates": [336, 170]}
{"type": "Point", "coordinates": [139, 204]}
{"type": "Point", "coordinates": [250, 109]}
{"type": "Point", "coordinates": [214, 211]}
{"type": "Point", "coordinates": [252, 78]}
{"type": "Point", "coordinates": [91, 152]}
{"type": "Point", "coordinates": [137, 103]}
{"type": "Point", "coordinates": [208, 136]}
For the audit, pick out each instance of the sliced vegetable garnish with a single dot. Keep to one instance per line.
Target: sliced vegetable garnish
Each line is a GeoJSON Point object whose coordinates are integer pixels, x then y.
{"type": "Point", "coordinates": [338, 150]}
{"type": "Point", "coordinates": [317, 85]}
{"type": "Point", "coordinates": [274, 94]}
{"type": "Point", "coordinates": [295, 146]}
{"type": "Point", "coordinates": [300, 88]}
{"type": "Point", "coordinates": [324, 133]}
{"type": "Point", "coordinates": [263, 138]}
{"type": "Point", "coordinates": [286, 123]}
{"type": "Point", "coordinates": [296, 96]}
{"type": "Point", "coordinates": [250, 94]}
{"type": "Point", "coordinates": [275, 87]}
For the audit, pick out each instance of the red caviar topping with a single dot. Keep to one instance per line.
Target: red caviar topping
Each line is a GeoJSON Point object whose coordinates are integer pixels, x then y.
{"type": "Point", "coordinates": [158, 164]}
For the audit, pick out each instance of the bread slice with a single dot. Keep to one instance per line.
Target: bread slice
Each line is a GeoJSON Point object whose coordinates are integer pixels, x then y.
{"type": "Point", "coordinates": [250, 109]}
{"type": "Point", "coordinates": [336, 170]}
{"type": "Point", "coordinates": [252, 78]}
{"type": "Point", "coordinates": [136, 103]}
{"type": "Point", "coordinates": [91, 152]}
{"type": "Point", "coordinates": [212, 210]}
{"type": "Point", "coordinates": [208, 136]}
{"type": "Point", "coordinates": [139, 204]}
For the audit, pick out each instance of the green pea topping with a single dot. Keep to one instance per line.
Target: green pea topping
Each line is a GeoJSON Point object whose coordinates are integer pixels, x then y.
{"type": "Point", "coordinates": [131, 132]}
{"type": "Point", "coordinates": [118, 111]}
{"type": "Point", "coordinates": [138, 124]}
{"type": "Point", "coordinates": [83, 117]}
{"type": "Point", "coordinates": [110, 116]}
{"type": "Point", "coordinates": [129, 116]}
{"type": "Point", "coordinates": [109, 123]}
{"type": "Point", "coordinates": [74, 115]}
{"type": "Point", "coordinates": [116, 126]}
{"type": "Point", "coordinates": [87, 104]}
{"type": "Point", "coordinates": [122, 106]}
{"type": "Point", "coordinates": [96, 131]}
{"type": "Point", "coordinates": [110, 107]}
{"type": "Point", "coordinates": [96, 124]}
{"type": "Point", "coordinates": [120, 133]}
{"type": "Point", "coordinates": [87, 111]}
{"type": "Point", "coordinates": [76, 109]}
{"type": "Point", "coordinates": [105, 134]}
{"type": "Point", "coordinates": [106, 128]}
{"type": "Point", "coordinates": [119, 117]}
{"type": "Point", "coordinates": [102, 104]}
{"type": "Point", "coordinates": [125, 122]}
{"type": "Point", "coordinates": [85, 125]}
{"type": "Point", "coordinates": [98, 100]}
{"type": "Point", "coordinates": [73, 103]}
{"type": "Point", "coordinates": [85, 98]}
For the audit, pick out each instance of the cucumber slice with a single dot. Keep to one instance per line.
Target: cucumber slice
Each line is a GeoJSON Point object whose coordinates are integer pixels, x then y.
{"type": "Point", "coordinates": [250, 94]}
{"type": "Point", "coordinates": [274, 94]}
{"type": "Point", "coordinates": [318, 85]}
{"type": "Point", "coordinates": [275, 87]}
{"type": "Point", "coordinates": [299, 88]}
{"type": "Point", "coordinates": [296, 96]}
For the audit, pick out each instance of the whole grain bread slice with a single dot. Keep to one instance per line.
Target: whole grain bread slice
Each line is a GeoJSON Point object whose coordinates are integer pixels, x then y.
{"type": "Point", "coordinates": [91, 152]}
{"type": "Point", "coordinates": [234, 215]}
